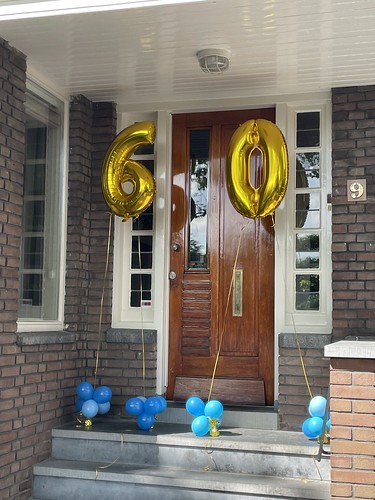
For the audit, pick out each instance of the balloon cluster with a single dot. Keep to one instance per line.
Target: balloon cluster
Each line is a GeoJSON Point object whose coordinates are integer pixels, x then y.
{"type": "Point", "coordinates": [92, 402]}
{"type": "Point", "coordinates": [312, 427]}
{"type": "Point", "coordinates": [207, 416]}
{"type": "Point", "coordinates": [145, 410]}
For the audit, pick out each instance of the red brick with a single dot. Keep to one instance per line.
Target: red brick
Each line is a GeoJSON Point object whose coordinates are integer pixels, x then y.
{"type": "Point", "coordinates": [362, 491]}
{"type": "Point", "coordinates": [352, 476]}
{"type": "Point", "coordinates": [364, 378]}
{"type": "Point", "coordinates": [364, 435]}
{"type": "Point", "coordinates": [340, 405]}
{"type": "Point", "coordinates": [341, 490]}
{"type": "Point", "coordinates": [351, 392]}
{"type": "Point", "coordinates": [364, 463]}
{"type": "Point", "coordinates": [341, 461]}
{"type": "Point", "coordinates": [341, 377]}
{"type": "Point", "coordinates": [352, 447]}
{"type": "Point", "coordinates": [364, 407]}
{"type": "Point", "coordinates": [353, 419]}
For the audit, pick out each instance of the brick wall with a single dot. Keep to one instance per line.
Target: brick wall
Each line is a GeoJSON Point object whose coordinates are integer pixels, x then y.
{"type": "Point", "coordinates": [294, 397]}
{"type": "Point", "coordinates": [353, 429]}
{"type": "Point", "coordinates": [353, 223]}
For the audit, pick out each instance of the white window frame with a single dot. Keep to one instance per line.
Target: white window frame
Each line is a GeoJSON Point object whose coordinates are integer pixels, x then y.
{"type": "Point", "coordinates": [39, 325]}
{"type": "Point", "coordinates": [287, 318]}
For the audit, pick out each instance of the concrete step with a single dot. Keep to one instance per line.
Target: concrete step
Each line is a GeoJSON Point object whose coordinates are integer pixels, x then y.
{"type": "Point", "coordinates": [79, 480]}
{"type": "Point", "coordinates": [237, 450]}
{"type": "Point", "coordinates": [233, 416]}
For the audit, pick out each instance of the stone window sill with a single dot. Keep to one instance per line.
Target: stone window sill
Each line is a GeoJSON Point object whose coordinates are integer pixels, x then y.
{"type": "Point", "coordinates": [41, 338]}
{"type": "Point", "coordinates": [130, 336]}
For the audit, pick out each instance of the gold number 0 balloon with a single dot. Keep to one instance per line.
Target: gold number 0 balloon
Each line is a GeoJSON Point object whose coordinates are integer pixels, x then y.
{"type": "Point", "coordinates": [119, 170]}
{"type": "Point", "coordinates": [264, 136]}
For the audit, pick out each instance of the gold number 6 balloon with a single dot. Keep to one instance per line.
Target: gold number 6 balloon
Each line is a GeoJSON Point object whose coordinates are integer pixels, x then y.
{"type": "Point", "coordinates": [264, 136]}
{"type": "Point", "coordinates": [119, 171]}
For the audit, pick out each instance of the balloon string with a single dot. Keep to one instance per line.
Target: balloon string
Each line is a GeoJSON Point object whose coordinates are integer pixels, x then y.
{"type": "Point", "coordinates": [102, 299]}
{"type": "Point", "coordinates": [293, 322]}
{"type": "Point", "coordinates": [142, 330]}
{"type": "Point", "coordinates": [226, 311]}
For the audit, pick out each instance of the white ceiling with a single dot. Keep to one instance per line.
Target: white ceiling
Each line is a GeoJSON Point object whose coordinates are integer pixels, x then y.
{"type": "Point", "coordinates": [141, 55]}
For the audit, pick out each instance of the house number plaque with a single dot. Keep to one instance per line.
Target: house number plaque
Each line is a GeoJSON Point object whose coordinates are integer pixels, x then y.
{"type": "Point", "coordinates": [237, 292]}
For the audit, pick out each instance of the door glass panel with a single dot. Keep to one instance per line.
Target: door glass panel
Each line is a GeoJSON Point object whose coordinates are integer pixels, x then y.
{"type": "Point", "coordinates": [307, 251]}
{"type": "Point", "coordinates": [199, 187]}
{"type": "Point", "coordinates": [308, 210]}
{"type": "Point", "coordinates": [308, 129]}
{"type": "Point", "coordinates": [307, 170]}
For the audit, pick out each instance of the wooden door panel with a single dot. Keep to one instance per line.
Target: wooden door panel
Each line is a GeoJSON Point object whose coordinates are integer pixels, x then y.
{"type": "Point", "coordinates": [198, 297]}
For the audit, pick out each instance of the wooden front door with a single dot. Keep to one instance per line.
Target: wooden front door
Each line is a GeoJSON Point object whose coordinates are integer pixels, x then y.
{"type": "Point", "coordinates": [208, 237]}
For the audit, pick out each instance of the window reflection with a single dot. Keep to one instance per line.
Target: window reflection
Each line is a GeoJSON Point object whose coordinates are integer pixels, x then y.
{"type": "Point", "coordinates": [199, 175]}
{"type": "Point", "coordinates": [307, 292]}
{"type": "Point", "coordinates": [307, 170]}
{"type": "Point", "coordinates": [307, 251]}
{"type": "Point", "coordinates": [308, 210]}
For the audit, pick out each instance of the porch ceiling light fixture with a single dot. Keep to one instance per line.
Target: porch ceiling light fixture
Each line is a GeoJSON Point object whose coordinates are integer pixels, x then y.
{"type": "Point", "coordinates": [213, 60]}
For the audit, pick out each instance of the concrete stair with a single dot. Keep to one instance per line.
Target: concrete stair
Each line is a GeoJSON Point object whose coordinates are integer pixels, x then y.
{"type": "Point", "coordinates": [115, 460]}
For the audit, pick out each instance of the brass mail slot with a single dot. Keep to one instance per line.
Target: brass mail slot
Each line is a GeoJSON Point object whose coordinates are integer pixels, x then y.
{"type": "Point", "coordinates": [237, 293]}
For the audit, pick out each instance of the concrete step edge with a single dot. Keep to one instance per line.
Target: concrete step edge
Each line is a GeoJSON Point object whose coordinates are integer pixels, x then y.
{"type": "Point", "coordinates": [164, 434]}
{"type": "Point", "coordinates": [181, 478]}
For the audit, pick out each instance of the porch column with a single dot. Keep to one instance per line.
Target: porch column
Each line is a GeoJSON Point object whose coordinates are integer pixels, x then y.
{"type": "Point", "coordinates": [352, 406]}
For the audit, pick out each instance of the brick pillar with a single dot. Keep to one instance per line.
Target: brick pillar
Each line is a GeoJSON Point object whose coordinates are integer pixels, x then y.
{"type": "Point", "coordinates": [353, 223]}
{"type": "Point", "coordinates": [352, 408]}
{"type": "Point", "coordinates": [14, 460]}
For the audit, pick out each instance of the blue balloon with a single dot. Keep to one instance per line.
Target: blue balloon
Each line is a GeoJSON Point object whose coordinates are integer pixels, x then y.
{"type": "Point", "coordinates": [90, 408]}
{"type": "Point", "coordinates": [163, 403]}
{"type": "Point", "coordinates": [312, 427]}
{"type": "Point", "coordinates": [213, 409]}
{"type": "Point", "coordinates": [79, 404]}
{"type": "Point", "coordinates": [317, 406]}
{"type": "Point", "coordinates": [145, 421]}
{"type": "Point", "coordinates": [134, 406]}
{"type": "Point", "coordinates": [195, 406]}
{"type": "Point", "coordinates": [200, 426]}
{"type": "Point", "coordinates": [328, 424]}
{"type": "Point", "coordinates": [104, 408]}
{"type": "Point", "coordinates": [102, 394]}
{"type": "Point", "coordinates": [152, 405]}
{"type": "Point", "coordinates": [85, 391]}
{"type": "Point", "coordinates": [142, 398]}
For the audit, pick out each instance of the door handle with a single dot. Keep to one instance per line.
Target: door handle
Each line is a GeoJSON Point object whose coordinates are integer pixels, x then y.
{"type": "Point", "coordinates": [172, 275]}
{"type": "Point", "coordinates": [175, 247]}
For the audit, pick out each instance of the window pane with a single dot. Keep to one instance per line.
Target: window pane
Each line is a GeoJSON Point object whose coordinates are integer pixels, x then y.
{"type": "Point", "coordinates": [308, 129]}
{"type": "Point", "coordinates": [307, 251]}
{"type": "Point", "coordinates": [140, 290]}
{"type": "Point", "coordinates": [308, 210]}
{"type": "Point", "coordinates": [141, 252]}
{"type": "Point", "coordinates": [199, 180]}
{"type": "Point", "coordinates": [307, 170]}
{"type": "Point", "coordinates": [307, 292]}
{"type": "Point", "coordinates": [33, 252]}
